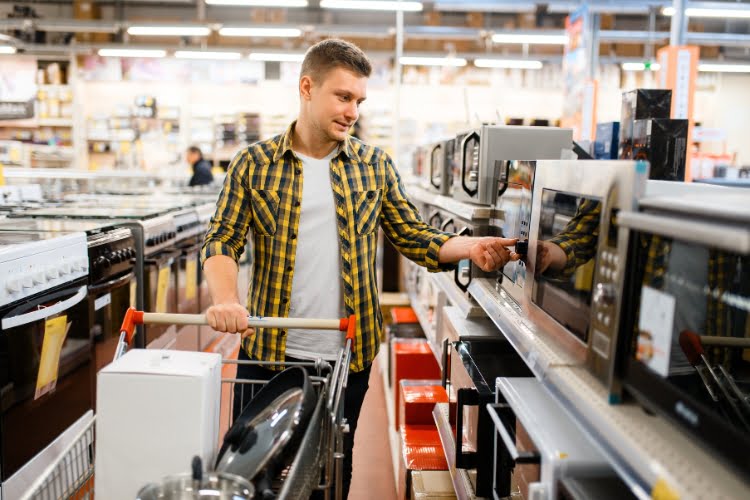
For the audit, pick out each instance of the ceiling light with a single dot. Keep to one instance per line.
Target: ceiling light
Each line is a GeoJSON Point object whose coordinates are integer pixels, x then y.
{"type": "Point", "coordinates": [262, 32]}
{"type": "Point", "coordinates": [432, 61]}
{"type": "Point", "coordinates": [530, 39]}
{"type": "Point", "coordinates": [278, 57]}
{"type": "Point", "coordinates": [724, 68]}
{"type": "Point", "coordinates": [204, 54]}
{"type": "Point", "coordinates": [258, 3]}
{"type": "Point", "coordinates": [508, 63]}
{"type": "Point", "coordinates": [132, 53]}
{"type": "Point", "coordinates": [717, 12]}
{"type": "Point", "coordinates": [371, 5]}
{"type": "Point", "coordinates": [169, 31]}
{"type": "Point", "coordinates": [7, 49]}
{"type": "Point", "coordinates": [637, 66]}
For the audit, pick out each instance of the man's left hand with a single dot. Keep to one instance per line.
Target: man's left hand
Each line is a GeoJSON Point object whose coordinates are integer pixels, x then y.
{"type": "Point", "coordinates": [491, 253]}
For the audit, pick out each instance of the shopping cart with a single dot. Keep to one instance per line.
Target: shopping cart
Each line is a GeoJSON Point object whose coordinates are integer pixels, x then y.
{"type": "Point", "coordinates": [318, 461]}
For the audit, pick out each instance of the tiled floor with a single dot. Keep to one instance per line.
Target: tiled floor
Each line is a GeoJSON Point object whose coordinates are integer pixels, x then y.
{"type": "Point", "coordinates": [373, 469]}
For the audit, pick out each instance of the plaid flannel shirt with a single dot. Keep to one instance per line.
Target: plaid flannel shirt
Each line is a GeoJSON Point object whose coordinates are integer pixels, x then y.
{"type": "Point", "coordinates": [263, 191]}
{"type": "Point", "coordinates": [580, 237]}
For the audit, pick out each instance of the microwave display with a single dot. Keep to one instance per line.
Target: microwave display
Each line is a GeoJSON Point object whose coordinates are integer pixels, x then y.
{"type": "Point", "coordinates": [565, 258]}
{"type": "Point", "coordinates": [693, 298]}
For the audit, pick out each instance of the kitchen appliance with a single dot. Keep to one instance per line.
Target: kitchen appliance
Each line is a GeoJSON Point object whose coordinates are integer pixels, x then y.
{"type": "Point", "coordinates": [483, 155]}
{"type": "Point", "coordinates": [536, 443]}
{"type": "Point", "coordinates": [663, 143]}
{"type": "Point", "coordinates": [463, 226]}
{"type": "Point", "coordinates": [688, 294]}
{"type": "Point", "coordinates": [475, 356]}
{"type": "Point", "coordinates": [577, 253]}
{"type": "Point", "coordinates": [442, 157]}
{"type": "Point", "coordinates": [641, 104]}
{"type": "Point", "coordinates": [111, 257]}
{"type": "Point", "coordinates": [607, 141]}
{"type": "Point", "coordinates": [154, 234]}
{"type": "Point", "coordinates": [46, 350]}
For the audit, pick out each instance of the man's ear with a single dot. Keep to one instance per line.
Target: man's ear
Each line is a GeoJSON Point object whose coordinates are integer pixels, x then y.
{"type": "Point", "coordinates": [305, 87]}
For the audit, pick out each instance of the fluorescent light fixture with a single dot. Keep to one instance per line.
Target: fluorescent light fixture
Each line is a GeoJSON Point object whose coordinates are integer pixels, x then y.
{"type": "Point", "coordinates": [530, 39]}
{"type": "Point", "coordinates": [258, 3]}
{"type": "Point", "coordinates": [205, 54]}
{"type": "Point", "coordinates": [508, 63]}
{"type": "Point", "coordinates": [7, 49]}
{"type": "Point", "coordinates": [718, 12]}
{"type": "Point", "coordinates": [132, 53]}
{"type": "Point", "coordinates": [724, 68]}
{"type": "Point", "coordinates": [371, 5]}
{"type": "Point", "coordinates": [262, 32]}
{"type": "Point", "coordinates": [432, 61]}
{"type": "Point", "coordinates": [637, 66]}
{"type": "Point", "coordinates": [278, 57]}
{"type": "Point", "coordinates": [169, 30]}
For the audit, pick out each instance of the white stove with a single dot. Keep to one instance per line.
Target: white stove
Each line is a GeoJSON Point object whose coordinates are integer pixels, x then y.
{"type": "Point", "coordinates": [32, 262]}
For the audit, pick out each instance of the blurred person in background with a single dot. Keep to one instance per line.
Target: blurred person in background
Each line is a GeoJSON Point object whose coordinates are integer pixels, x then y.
{"type": "Point", "coordinates": [201, 167]}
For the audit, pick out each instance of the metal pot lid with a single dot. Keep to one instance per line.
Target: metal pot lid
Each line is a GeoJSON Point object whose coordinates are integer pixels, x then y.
{"type": "Point", "coordinates": [213, 486]}
{"type": "Point", "coordinates": [256, 441]}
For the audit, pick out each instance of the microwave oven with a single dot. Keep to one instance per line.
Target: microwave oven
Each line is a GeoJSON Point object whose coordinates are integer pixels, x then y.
{"type": "Point", "coordinates": [577, 252]}
{"type": "Point", "coordinates": [437, 161]}
{"type": "Point", "coordinates": [483, 155]}
{"type": "Point", "coordinates": [685, 348]}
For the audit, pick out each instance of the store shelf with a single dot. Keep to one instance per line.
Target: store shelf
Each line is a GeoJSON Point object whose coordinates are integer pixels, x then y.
{"type": "Point", "coordinates": [393, 437]}
{"type": "Point", "coordinates": [55, 122]}
{"type": "Point", "coordinates": [459, 477]}
{"type": "Point", "coordinates": [422, 195]}
{"type": "Point", "coordinates": [457, 298]}
{"type": "Point", "coordinates": [648, 453]}
{"type": "Point", "coordinates": [467, 210]}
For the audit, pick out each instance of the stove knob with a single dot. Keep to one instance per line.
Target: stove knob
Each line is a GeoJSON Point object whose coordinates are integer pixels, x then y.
{"type": "Point", "coordinates": [172, 235]}
{"type": "Point", "coordinates": [150, 242]}
{"type": "Point", "coordinates": [13, 286]}
{"type": "Point", "coordinates": [38, 278]}
{"type": "Point", "coordinates": [64, 268]}
{"type": "Point", "coordinates": [84, 262]}
{"type": "Point", "coordinates": [53, 272]}
{"type": "Point", "coordinates": [75, 266]}
{"type": "Point", "coordinates": [131, 253]}
{"type": "Point", "coordinates": [27, 282]}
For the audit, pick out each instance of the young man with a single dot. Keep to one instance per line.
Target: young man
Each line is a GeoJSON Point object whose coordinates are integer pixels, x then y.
{"type": "Point", "coordinates": [201, 168]}
{"type": "Point", "coordinates": [315, 198]}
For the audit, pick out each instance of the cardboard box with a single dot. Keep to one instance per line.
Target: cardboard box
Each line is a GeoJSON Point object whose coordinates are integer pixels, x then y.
{"type": "Point", "coordinates": [411, 359]}
{"type": "Point", "coordinates": [640, 104]}
{"type": "Point", "coordinates": [418, 398]}
{"type": "Point", "coordinates": [663, 143]}
{"type": "Point", "coordinates": [607, 140]}
{"type": "Point", "coordinates": [431, 485]}
{"type": "Point", "coordinates": [421, 449]}
{"type": "Point", "coordinates": [155, 411]}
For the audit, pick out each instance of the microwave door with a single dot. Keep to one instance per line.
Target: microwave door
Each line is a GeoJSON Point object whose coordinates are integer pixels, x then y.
{"type": "Point", "coordinates": [470, 164]}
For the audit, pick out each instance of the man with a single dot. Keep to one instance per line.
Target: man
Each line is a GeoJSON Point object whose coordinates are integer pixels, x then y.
{"type": "Point", "coordinates": [201, 168]}
{"type": "Point", "coordinates": [315, 198]}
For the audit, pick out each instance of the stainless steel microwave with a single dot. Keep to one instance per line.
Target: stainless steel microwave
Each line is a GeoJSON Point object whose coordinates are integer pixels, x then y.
{"type": "Point", "coordinates": [685, 339]}
{"type": "Point", "coordinates": [483, 155]}
{"type": "Point", "coordinates": [577, 252]}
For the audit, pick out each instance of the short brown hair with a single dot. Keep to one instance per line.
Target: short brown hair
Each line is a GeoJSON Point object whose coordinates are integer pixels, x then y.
{"type": "Point", "coordinates": [334, 53]}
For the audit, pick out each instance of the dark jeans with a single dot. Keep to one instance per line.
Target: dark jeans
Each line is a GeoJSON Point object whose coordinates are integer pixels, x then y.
{"type": "Point", "coordinates": [356, 388]}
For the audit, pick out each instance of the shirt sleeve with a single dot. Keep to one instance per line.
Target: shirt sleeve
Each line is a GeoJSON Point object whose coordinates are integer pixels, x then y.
{"type": "Point", "coordinates": [404, 227]}
{"type": "Point", "coordinates": [580, 238]}
{"type": "Point", "coordinates": [227, 231]}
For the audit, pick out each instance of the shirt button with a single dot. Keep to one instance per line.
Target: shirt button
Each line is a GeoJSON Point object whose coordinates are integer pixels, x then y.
{"type": "Point", "coordinates": [284, 300]}
{"type": "Point", "coordinates": [289, 269]}
{"type": "Point", "coordinates": [282, 332]}
{"type": "Point", "coordinates": [370, 195]}
{"type": "Point", "coordinates": [294, 236]}
{"type": "Point", "coordinates": [297, 171]}
{"type": "Point", "coordinates": [297, 203]}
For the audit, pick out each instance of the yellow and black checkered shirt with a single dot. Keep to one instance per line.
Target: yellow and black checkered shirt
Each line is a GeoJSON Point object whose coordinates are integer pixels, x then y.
{"type": "Point", "coordinates": [263, 192]}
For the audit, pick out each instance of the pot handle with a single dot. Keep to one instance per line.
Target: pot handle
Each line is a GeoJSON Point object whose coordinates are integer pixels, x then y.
{"type": "Point", "coordinates": [197, 468]}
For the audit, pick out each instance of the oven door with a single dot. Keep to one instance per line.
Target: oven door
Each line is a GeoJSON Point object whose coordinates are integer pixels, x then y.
{"type": "Point", "coordinates": [466, 176]}
{"type": "Point", "coordinates": [188, 302]}
{"type": "Point", "coordinates": [108, 302]}
{"type": "Point", "coordinates": [161, 296]}
{"type": "Point", "coordinates": [437, 156]}
{"type": "Point", "coordinates": [472, 364]}
{"type": "Point", "coordinates": [46, 371]}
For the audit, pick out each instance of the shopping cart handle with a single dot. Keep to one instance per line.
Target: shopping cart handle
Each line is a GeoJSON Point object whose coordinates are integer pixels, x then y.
{"type": "Point", "coordinates": [133, 318]}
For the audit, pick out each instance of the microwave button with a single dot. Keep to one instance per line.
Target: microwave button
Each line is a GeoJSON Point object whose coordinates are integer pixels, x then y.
{"type": "Point", "coordinates": [604, 294]}
{"type": "Point", "coordinates": [607, 320]}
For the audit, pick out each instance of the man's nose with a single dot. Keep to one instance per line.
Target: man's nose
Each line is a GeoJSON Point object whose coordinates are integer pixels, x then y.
{"type": "Point", "coordinates": [352, 112]}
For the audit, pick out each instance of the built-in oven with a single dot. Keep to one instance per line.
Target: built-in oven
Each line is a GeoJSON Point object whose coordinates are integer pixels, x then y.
{"type": "Point", "coordinates": [46, 349]}
{"type": "Point", "coordinates": [482, 157]}
{"type": "Point", "coordinates": [537, 444]}
{"type": "Point", "coordinates": [577, 253]}
{"type": "Point", "coordinates": [475, 355]}
{"type": "Point", "coordinates": [684, 347]}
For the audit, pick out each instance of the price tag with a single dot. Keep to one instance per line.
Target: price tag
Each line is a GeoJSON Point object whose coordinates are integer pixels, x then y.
{"type": "Point", "coordinates": [55, 331]}
{"type": "Point", "coordinates": [191, 277]}
{"type": "Point", "coordinates": [162, 285]}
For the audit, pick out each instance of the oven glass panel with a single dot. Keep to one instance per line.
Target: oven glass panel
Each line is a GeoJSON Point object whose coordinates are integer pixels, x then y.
{"type": "Point", "coordinates": [566, 254]}
{"type": "Point", "coordinates": [689, 296]}
{"type": "Point", "coordinates": [516, 206]}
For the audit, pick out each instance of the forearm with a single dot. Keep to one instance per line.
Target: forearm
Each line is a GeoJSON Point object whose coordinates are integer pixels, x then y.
{"type": "Point", "coordinates": [221, 276]}
{"type": "Point", "coordinates": [455, 249]}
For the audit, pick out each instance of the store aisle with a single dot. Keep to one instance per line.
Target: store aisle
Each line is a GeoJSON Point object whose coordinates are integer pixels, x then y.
{"type": "Point", "coordinates": [373, 470]}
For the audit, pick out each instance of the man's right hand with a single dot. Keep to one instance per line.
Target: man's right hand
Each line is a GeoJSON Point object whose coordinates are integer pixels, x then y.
{"type": "Point", "coordinates": [231, 318]}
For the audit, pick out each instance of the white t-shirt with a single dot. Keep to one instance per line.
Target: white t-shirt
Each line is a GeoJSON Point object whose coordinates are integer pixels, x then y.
{"type": "Point", "coordinates": [316, 285]}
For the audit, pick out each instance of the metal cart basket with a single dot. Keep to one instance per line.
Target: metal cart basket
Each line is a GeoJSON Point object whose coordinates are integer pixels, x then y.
{"type": "Point", "coordinates": [318, 461]}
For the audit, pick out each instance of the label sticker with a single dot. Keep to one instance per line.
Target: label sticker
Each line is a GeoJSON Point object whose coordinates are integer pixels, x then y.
{"type": "Point", "coordinates": [191, 277]}
{"type": "Point", "coordinates": [55, 331]}
{"type": "Point", "coordinates": [102, 301]}
{"type": "Point", "coordinates": [162, 284]}
{"type": "Point", "coordinates": [655, 330]}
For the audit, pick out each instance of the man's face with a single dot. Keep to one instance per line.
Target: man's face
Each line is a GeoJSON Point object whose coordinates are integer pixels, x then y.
{"type": "Point", "coordinates": [192, 157]}
{"type": "Point", "coordinates": [334, 101]}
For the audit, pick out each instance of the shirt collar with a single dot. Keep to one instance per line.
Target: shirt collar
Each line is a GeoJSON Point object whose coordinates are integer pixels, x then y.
{"type": "Point", "coordinates": [285, 144]}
